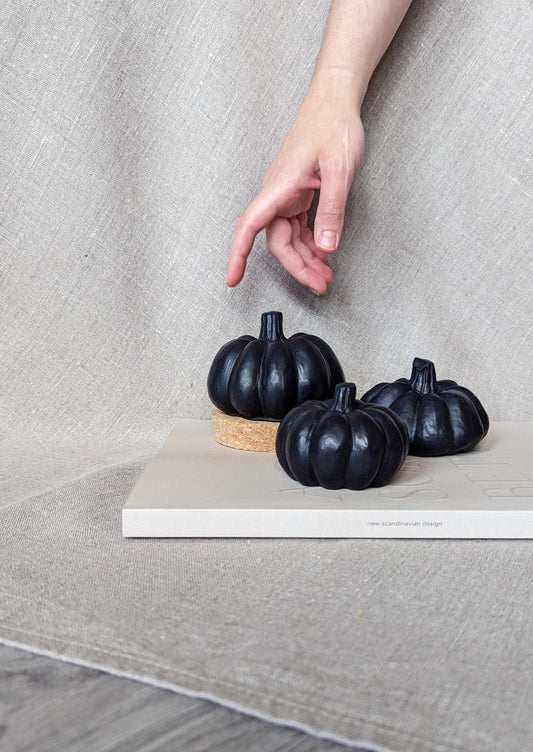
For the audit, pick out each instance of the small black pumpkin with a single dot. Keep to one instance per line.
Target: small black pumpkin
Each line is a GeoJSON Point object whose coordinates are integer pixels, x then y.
{"type": "Point", "coordinates": [441, 416]}
{"type": "Point", "coordinates": [341, 442]}
{"type": "Point", "coordinates": [266, 377]}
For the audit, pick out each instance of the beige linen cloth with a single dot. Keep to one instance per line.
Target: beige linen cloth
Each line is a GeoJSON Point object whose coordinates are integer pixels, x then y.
{"type": "Point", "coordinates": [133, 136]}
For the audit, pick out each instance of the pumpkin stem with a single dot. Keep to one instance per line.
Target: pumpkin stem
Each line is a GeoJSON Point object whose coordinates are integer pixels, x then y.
{"type": "Point", "coordinates": [423, 377]}
{"type": "Point", "coordinates": [344, 398]}
{"type": "Point", "coordinates": [271, 326]}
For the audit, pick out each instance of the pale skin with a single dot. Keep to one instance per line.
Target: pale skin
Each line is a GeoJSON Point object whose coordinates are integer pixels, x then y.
{"type": "Point", "coordinates": [322, 151]}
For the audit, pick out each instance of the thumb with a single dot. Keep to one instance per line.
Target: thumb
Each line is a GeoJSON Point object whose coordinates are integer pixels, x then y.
{"type": "Point", "coordinates": [329, 217]}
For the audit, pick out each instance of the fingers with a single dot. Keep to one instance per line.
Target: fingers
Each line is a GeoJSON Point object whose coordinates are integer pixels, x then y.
{"type": "Point", "coordinates": [286, 199]}
{"type": "Point", "coordinates": [291, 242]}
{"type": "Point", "coordinates": [329, 218]}
{"type": "Point", "coordinates": [303, 243]}
{"type": "Point", "coordinates": [288, 239]}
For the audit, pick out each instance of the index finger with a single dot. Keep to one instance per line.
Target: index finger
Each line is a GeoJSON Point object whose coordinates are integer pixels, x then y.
{"type": "Point", "coordinates": [257, 216]}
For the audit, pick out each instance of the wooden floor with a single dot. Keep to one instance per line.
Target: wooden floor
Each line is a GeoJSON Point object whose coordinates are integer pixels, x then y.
{"type": "Point", "coordinates": [51, 706]}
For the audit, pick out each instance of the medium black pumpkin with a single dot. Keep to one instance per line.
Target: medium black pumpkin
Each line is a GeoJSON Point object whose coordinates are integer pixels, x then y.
{"type": "Point", "coordinates": [341, 442]}
{"type": "Point", "coordinates": [441, 416]}
{"type": "Point", "coordinates": [266, 377]}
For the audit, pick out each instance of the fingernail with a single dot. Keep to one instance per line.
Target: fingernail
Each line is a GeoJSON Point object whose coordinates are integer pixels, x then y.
{"type": "Point", "coordinates": [327, 240]}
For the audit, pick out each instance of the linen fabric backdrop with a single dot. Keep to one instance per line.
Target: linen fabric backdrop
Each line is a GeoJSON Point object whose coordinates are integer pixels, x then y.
{"type": "Point", "coordinates": [134, 134]}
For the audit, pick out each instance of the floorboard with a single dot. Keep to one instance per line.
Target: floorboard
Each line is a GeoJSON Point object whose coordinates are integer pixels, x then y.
{"type": "Point", "coordinates": [48, 705]}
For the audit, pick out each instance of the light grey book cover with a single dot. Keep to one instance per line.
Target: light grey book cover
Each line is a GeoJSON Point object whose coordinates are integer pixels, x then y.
{"type": "Point", "coordinates": [195, 487]}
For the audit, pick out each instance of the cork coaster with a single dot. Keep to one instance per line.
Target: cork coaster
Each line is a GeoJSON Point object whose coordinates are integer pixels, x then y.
{"type": "Point", "coordinates": [240, 433]}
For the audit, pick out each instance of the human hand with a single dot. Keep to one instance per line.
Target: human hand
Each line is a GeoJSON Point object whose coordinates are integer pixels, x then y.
{"type": "Point", "coordinates": [322, 151]}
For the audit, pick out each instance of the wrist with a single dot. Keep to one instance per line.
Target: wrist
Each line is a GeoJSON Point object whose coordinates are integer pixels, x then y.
{"type": "Point", "coordinates": [341, 83]}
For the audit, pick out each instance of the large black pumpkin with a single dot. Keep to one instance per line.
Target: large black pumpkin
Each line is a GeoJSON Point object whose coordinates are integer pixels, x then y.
{"type": "Point", "coordinates": [441, 416]}
{"type": "Point", "coordinates": [342, 442]}
{"type": "Point", "coordinates": [266, 377]}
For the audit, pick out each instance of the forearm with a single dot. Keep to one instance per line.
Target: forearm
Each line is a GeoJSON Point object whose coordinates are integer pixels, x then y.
{"type": "Point", "coordinates": [357, 34]}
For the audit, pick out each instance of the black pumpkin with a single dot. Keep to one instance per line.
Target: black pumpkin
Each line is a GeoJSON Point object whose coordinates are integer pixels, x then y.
{"type": "Point", "coordinates": [266, 377]}
{"type": "Point", "coordinates": [441, 416]}
{"type": "Point", "coordinates": [341, 442]}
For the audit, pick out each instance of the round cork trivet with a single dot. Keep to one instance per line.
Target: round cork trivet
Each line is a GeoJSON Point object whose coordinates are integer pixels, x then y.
{"type": "Point", "coordinates": [240, 433]}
